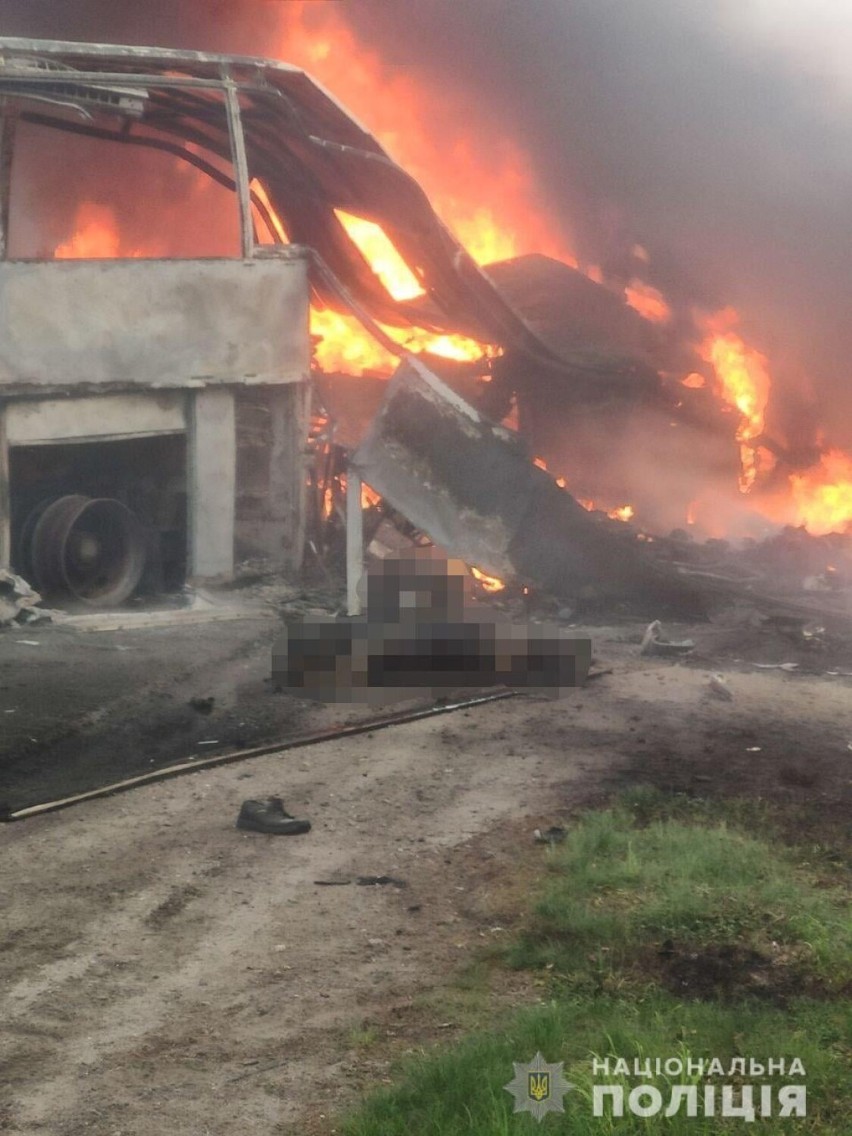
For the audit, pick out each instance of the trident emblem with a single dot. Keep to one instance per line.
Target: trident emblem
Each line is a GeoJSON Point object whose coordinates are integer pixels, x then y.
{"type": "Point", "coordinates": [538, 1088]}
{"type": "Point", "coordinates": [538, 1085]}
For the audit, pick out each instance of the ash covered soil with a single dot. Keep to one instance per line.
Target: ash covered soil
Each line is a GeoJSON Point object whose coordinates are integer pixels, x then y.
{"type": "Point", "coordinates": [164, 972]}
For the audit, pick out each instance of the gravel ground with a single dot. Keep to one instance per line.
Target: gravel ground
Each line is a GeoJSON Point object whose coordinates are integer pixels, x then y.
{"type": "Point", "coordinates": [165, 972]}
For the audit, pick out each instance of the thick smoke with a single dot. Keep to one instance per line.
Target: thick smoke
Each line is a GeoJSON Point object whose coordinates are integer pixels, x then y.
{"type": "Point", "coordinates": [658, 121]}
{"type": "Point", "coordinates": [237, 26]}
{"type": "Point", "coordinates": [655, 121]}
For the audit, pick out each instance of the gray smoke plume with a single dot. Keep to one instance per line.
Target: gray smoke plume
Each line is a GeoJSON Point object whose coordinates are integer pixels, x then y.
{"type": "Point", "coordinates": [657, 121]}
{"type": "Point", "coordinates": [236, 26]}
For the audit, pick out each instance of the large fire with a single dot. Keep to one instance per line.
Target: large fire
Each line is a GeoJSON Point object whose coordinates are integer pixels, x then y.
{"type": "Point", "coordinates": [478, 180]}
{"type": "Point", "coordinates": [744, 380]}
{"type": "Point", "coordinates": [818, 498]}
{"type": "Point", "coordinates": [484, 191]}
{"type": "Point", "coordinates": [482, 187]}
{"type": "Point", "coordinates": [342, 343]}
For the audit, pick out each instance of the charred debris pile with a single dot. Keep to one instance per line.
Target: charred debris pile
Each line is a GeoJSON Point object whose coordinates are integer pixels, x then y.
{"type": "Point", "coordinates": [433, 468]}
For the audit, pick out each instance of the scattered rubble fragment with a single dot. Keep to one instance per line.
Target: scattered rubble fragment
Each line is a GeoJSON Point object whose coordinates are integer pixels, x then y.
{"type": "Point", "coordinates": [654, 642]}
{"type": "Point", "coordinates": [19, 602]}
{"type": "Point", "coordinates": [719, 688]}
{"type": "Point", "coordinates": [554, 835]}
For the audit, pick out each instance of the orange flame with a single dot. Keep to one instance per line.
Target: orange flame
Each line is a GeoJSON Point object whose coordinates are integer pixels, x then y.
{"type": "Point", "coordinates": [278, 232]}
{"type": "Point", "coordinates": [744, 381]}
{"type": "Point", "coordinates": [480, 184]}
{"type": "Point", "coordinates": [822, 495]}
{"type": "Point", "coordinates": [96, 236]}
{"type": "Point", "coordinates": [648, 301]}
{"type": "Point", "coordinates": [694, 381]}
{"type": "Point", "coordinates": [347, 347]}
{"type": "Point", "coordinates": [819, 498]}
{"type": "Point", "coordinates": [489, 583]}
{"type": "Point", "coordinates": [369, 497]}
{"type": "Point", "coordinates": [379, 252]}
{"type": "Point", "coordinates": [618, 513]}
{"type": "Point", "coordinates": [343, 344]}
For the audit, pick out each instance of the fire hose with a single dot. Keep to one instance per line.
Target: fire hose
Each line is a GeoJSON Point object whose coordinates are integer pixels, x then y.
{"type": "Point", "coordinates": [193, 766]}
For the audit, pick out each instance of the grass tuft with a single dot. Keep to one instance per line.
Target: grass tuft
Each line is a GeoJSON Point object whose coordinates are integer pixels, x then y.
{"type": "Point", "coordinates": [617, 889]}
{"type": "Point", "coordinates": [660, 934]}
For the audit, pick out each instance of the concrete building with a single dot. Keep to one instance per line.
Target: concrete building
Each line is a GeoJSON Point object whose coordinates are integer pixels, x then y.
{"type": "Point", "coordinates": [174, 389]}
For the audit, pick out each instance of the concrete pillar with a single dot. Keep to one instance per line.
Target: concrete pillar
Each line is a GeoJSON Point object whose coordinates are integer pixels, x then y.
{"type": "Point", "coordinates": [5, 496]}
{"type": "Point", "coordinates": [211, 483]}
{"type": "Point", "coordinates": [289, 420]}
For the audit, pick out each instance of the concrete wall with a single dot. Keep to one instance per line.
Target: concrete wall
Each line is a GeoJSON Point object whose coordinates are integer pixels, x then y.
{"type": "Point", "coordinates": [141, 348]}
{"type": "Point", "coordinates": [40, 421]}
{"type": "Point", "coordinates": [272, 428]}
{"type": "Point", "coordinates": [152, 323]}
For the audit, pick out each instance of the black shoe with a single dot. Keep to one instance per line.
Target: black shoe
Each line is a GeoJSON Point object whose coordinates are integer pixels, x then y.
{"type": "Point", "coordinates": [270, 816]}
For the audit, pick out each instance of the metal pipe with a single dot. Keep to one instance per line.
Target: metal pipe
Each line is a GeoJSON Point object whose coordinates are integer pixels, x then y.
{"type": "Point", "coordinates": [241, 171]}
{"type": "Point", "coordinates": [333, 734]}
{"type": "Point", "coordinates": [8, 127]}
{"type": "Point", "coordinates": [112, 79]}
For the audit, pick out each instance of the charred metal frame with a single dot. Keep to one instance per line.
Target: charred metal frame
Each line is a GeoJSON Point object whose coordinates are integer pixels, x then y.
{"type": "Point", "coordinates": [191, 106]}
{"type": "Point", "coordinates": [239, 119]}
{"type": "Point", "coordinates": [313, 157]}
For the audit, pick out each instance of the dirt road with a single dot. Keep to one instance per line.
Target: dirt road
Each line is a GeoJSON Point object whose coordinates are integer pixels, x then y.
{"type": "Point", "coordinates": [164, 972]}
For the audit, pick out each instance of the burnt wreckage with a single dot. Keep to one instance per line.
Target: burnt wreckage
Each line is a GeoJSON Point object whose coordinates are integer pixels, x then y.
{"type": "Point", "coordinates": [154, 412]}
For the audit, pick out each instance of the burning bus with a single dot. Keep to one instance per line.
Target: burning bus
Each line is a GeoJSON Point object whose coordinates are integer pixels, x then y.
{"type": "Point", "coordinates": [169, 223]}
{"type": "Point", "coordinates": [154, 365]}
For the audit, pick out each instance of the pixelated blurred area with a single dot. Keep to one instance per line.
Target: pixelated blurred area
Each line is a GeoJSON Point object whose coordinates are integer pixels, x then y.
{"type": "Point", "coordinates": [423, 632]}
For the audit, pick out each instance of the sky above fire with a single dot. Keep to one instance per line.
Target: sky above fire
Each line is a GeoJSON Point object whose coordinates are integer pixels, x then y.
{"type": "Point", "coordinates": [816, 36]}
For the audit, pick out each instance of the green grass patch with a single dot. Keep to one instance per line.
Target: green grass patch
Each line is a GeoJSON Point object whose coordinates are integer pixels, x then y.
{"type": "Point", "coordinates": [618, 889]}
{"type": "Point", "coordinates": [460, 1091]}
{"type": "Point", "coordinates": [660, 936]}
{"type": "Point", "coordinates": [824, 848]}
